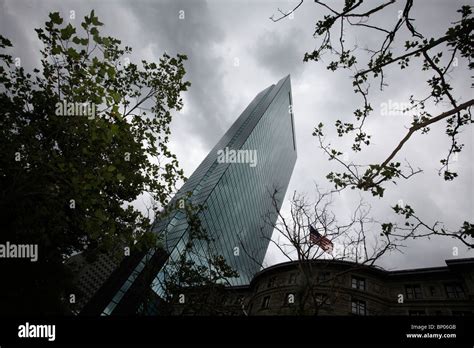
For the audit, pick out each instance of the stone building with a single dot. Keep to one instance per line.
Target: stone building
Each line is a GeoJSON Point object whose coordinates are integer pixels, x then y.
{"type": "Point", "coordinates": [322, 287]}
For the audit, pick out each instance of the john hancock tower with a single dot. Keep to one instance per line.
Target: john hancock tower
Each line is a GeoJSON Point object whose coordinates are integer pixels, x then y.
{"type": "Point", "coordinates": [234, 183]}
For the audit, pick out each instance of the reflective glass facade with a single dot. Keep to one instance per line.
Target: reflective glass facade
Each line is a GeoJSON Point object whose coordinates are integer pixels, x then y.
{"type": "Point", "coordinates": [236, 196]}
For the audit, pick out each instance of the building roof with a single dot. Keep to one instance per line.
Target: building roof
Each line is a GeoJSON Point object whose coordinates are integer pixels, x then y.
{"type": "Point", "coordinates": [451, 263]}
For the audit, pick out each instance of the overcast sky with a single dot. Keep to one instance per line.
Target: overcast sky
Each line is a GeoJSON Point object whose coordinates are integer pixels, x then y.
{"type": "Point", "coordinates": [217, 34]}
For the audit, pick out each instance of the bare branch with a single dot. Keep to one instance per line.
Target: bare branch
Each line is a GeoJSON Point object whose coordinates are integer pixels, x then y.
{"type": "Point", "coordinates": [426, 123]}
{"type": "Point", "coordinates": [284, 15]}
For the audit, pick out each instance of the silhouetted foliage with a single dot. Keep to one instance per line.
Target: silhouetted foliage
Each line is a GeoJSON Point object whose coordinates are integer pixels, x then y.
{"type": "Point", "coordinates": [77, 148]}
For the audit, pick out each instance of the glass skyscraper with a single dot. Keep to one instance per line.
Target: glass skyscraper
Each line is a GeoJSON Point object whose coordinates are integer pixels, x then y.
{"type": "Point", "coordinates": [235, 183]}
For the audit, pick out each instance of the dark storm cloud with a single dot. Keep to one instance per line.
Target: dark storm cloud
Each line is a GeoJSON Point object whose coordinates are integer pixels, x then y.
{"type": "Point", "coordinates": [279, 51]}
{"type": "Point", "coordinates": [187, 27]}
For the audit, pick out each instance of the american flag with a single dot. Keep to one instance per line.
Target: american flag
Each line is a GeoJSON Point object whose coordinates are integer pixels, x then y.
{"type": "Point", "coordinates": [316, 238]}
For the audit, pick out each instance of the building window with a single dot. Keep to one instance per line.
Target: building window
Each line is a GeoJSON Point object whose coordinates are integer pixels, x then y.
{"type": "Point", "coordinates": [271, 282]}
{"type": "Point", "coordinates": [416, 313]}
{"type": "Point", "coordinates": [377, 288]}
{"type": "Point", "coordinates": [292, 279]}
{"type": "Point", "coordinates": [358, 283]}
{"type": "Point", "coordinates": [323, 277]}
{"type": "Point", "coordinates": [359, 307]}
{"type": "Point", "coordinates": [433, 291]}
{"type": "Point", "coordinates": [265, 302]}
{"type": "Point", "coordinates": [413, 291]}
{"type": "Point", "coordinates": [203, 298]}
{"type": "Point", "coordinates": [454, 290]}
